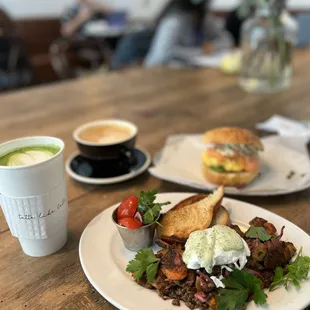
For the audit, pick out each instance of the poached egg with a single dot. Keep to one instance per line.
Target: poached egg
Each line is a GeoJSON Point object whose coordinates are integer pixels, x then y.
{"type": "Point", "coordinates": [216, 246]}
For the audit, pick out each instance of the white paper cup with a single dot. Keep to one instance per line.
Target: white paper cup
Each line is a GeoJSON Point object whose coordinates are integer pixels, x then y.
{"type": "Point", "coordinates": [34, 199]}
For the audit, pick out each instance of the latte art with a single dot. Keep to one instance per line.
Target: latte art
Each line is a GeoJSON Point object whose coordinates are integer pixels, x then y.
{"type": "Point", "coordinates": [28, 158]}
{"type": "Point", "coordinates": [28, 155]}
{"type": "Point", "coordinates": [105, 134]}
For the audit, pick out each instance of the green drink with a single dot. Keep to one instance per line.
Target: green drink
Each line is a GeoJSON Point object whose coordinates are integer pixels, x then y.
{"type": "Point", "coordinates": [29, 155]}
{"type": "Point", "coordinates": [33, 193]}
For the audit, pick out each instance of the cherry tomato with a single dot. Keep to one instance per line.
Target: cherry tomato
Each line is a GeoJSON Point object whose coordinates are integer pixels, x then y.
{"type": "Point", "coordinates": [130, 223]}
{"type": "Point", "coordinates": [128, 208]}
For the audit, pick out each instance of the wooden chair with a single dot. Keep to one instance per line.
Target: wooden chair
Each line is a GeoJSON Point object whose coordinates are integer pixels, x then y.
{"type": "Point", "coordinates": [71, 55]}
{"type": "Point", "coordinates": [16, 71]}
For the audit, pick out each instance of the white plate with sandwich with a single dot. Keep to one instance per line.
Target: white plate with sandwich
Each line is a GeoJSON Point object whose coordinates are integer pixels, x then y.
{"type": "Point", "coordinates": [104, 258]}
{"type": "Point", "coordinates": [237, 159]}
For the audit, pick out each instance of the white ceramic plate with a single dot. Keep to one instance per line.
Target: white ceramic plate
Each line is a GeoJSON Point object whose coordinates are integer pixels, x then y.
{"type": "Point", "coordinates": [104, 259]}
{"type": "Point", "coordinates": [234, 191]}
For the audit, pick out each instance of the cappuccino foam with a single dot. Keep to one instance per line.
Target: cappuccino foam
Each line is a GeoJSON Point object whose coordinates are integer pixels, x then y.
{"type": "Point", "coordinates": [105, 134]}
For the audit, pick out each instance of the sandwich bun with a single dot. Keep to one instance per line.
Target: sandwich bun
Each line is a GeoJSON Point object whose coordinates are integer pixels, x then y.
{"type": "Point", "coordinates": [239, 169]}
{"type": "Point", "coordinates": [233, 179]}
{"type": "Point", "coordinates": [233, 135]}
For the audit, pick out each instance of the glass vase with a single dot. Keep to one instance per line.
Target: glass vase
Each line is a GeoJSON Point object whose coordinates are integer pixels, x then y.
{"type": "Point", "coordinates": [267, 44]}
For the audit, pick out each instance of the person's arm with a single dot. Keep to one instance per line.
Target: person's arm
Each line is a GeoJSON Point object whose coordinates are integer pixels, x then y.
{"type": "Point", "coordinates": [70, 27]}
{"type": "Point", "coordinates": [215, 37]}
{"type": "Point", "coordinates": [97, 7]}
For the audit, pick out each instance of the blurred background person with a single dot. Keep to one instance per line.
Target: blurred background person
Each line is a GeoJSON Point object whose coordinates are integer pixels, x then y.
{"type": "Point", "coordinates": [182, 23]}
{"type": "Point", "coordinates": [77, 16]}
{"type": "Point", "coordinates": [236, 18]}
{"type": "Point", "coordinates": [75, 46]}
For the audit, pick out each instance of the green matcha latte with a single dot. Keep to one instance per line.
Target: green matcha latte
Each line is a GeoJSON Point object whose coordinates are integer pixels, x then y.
{"type": "Point", "coordinates": [29, 155]}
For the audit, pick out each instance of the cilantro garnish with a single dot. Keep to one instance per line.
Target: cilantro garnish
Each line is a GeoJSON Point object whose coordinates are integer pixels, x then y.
{"type": "Point", "coordinates": [148, 207]}
{"type": "Point", "coordinates": [258, 232]}
{"type": "Point", "coordinates": [238, 287]}
{"type": "Point", "coordinates": [297, 271]}
{"type": "Point", "coordinates": [145, 262]}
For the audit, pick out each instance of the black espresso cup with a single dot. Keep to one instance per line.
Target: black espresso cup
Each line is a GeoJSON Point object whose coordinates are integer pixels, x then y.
{"type": "Point", "coordinates": [108, 140]}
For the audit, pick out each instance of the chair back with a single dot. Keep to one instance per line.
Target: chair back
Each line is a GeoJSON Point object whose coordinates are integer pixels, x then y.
{"type": "Point", "coordinates": [7, 27]}
{"type": "Point", "coordinates": [15, 68]}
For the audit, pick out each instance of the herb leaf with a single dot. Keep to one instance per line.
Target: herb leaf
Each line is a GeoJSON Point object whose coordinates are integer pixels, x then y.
{"type": "Point", "coordinates": [278, 278]}
{"type": "Point", "coordinates": [258, 232]}
{"type": "Point", "coordinates": [218, 169]}
{"type": "Point", "coordinates": [297, 272]}
{"type": "Point", "coordinates": [151, 272]}
{"type": "Point", "coordinates": [145, 262]}
{"type": "Point", "coordinates": [232, 299]}
{"type": "Point", "coordinates": [238, 287]}
{"type": "Point", "coordinates": [148, 207]}
{"type": "Point", "coordinates": [146, 200]}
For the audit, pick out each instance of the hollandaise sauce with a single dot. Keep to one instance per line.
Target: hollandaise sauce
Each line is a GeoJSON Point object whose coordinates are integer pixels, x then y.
{"type": "Point", "coordinates": [218, 245]}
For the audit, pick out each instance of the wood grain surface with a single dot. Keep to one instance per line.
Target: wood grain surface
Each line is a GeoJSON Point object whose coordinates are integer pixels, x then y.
{"type": "Point", "coordinates": [161, 102]}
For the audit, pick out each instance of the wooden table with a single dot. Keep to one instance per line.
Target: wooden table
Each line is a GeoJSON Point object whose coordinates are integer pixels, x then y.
{"type": "Point", "coordinates": [161, 102]}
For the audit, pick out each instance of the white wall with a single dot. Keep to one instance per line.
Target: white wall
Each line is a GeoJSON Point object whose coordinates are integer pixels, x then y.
{"type": "Point", "coordinates": [137, 8]}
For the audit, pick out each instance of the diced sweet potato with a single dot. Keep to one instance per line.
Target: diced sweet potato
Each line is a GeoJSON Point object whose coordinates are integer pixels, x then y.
{"type": "Point", "coordinates": [173, 266]}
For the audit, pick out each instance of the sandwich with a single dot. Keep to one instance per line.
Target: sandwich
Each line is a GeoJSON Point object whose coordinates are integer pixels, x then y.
{"type": "Point", "coordinates": [231, 157]}
{"type": "Point", "coordinates": [198, 212]}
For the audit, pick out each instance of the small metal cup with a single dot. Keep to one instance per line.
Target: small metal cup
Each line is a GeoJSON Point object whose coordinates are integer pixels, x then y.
{"type": "Point", "coordinates": [136, 239]}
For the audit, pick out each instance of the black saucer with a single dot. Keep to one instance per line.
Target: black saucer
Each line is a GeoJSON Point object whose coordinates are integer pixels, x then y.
{"type": "Point", "coordinates": [107, 172]}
